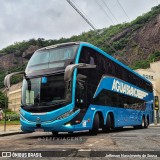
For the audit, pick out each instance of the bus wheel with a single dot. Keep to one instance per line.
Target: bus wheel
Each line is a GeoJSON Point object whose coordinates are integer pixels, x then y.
{"type": "Point", "coordinates": [146, 123]}
{"type": "Point", "coordinates": [107, 127]}
{"type": "Point", "coordinates": [95, 126]}
{"type": "Point", "coordinates": [143, 122]}
{"type": "Point", "coordinates": [55, 133]}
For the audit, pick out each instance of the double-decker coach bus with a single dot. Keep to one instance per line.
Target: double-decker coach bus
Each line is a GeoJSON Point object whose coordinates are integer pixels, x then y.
{"type": "Point", "coordinates": [77, 86]}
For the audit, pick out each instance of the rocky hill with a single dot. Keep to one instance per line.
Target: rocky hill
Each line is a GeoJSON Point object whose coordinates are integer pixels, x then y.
{"type": "Point", "coordinates": [137, 43]}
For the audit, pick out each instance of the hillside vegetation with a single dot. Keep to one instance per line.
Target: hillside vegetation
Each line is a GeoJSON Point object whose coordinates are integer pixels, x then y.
{"type": "Point", "coordinates": [137, 42]}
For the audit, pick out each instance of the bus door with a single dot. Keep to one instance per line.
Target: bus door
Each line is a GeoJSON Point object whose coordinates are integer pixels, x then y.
{"type": "Point", "coordinates": [81, 92]}
{"type": "Point", "coordinates": [89, 77]}
{"type": "Point", "coordinates": [85, 87]}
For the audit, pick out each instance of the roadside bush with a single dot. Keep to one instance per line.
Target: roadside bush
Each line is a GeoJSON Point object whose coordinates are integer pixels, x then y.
{"type": "Point", "coordinates": [12, 117]}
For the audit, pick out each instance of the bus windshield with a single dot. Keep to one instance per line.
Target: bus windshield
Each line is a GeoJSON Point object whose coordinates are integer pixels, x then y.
{"type": "Point", "coordinates": [44, 91]}
{"type": "Point", "coordinates": [51, 58]}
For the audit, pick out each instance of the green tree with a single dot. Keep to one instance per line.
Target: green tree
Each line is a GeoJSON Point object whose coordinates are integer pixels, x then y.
{"type": "Point", "coordinates": [2, 100]}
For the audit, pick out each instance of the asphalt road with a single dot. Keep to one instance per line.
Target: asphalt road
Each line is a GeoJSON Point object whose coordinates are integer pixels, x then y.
{"type": "Point", "coordinates": [127, 139]}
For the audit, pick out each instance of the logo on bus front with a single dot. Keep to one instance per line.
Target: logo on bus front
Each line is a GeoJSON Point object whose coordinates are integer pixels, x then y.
{"type": "Point", "coordinates": [121, 87]}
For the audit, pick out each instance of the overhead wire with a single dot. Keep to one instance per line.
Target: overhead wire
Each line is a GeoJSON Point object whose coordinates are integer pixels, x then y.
{"type": "Point", "coordinates": [104, 11]}
{"type": "Point", "coordinates": [109, 10]}
{"type": "Point", "coordinates": [82, 14]}
{"type": "Point", "coordinates": [123, 9]}
{"type": "Point", "coordinates": [116, 52]}
{"type": "Point", "coordinates": [92, 26]}
{"type": "Point", "coordinates": [99, 34]}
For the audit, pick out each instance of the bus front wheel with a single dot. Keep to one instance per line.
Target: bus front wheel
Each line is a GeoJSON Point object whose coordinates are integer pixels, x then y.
{"type": "Point", "coordinates": [95, 126]}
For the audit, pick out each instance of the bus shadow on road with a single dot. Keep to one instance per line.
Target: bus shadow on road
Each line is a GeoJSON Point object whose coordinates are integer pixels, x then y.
{"type": "Point", "coordinates": [84, 134]}
{"type": "Point", "coordinates": [76, 138]}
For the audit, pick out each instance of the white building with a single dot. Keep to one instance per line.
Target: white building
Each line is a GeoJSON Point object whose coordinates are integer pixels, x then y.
{"type": "Point", "coordinates": [14, 97]}
{"type": "Point", "coordinates": [153, 75]}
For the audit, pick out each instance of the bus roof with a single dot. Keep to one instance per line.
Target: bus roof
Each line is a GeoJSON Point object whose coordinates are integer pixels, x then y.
{"type": "Point", "coordinates": [60, 45]}
{"type": "Point", "coordinates": [96, 48]}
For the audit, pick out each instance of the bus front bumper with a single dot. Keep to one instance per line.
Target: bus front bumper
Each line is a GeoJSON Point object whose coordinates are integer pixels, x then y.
{"type": "Point", "coordinates": [46, 127]}
{"type": "Point", "coordinates": [58, 126]}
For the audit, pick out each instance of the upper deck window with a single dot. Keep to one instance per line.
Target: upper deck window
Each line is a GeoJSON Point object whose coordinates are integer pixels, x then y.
{"type": "Point", "coordinates": [51, 58]}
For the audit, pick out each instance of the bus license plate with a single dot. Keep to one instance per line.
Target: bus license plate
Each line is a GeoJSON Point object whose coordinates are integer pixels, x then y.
{"type": "Point", "coordinates": [39, 130]}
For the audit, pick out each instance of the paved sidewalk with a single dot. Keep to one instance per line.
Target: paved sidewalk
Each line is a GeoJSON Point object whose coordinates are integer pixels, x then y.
{"type": "Point", "coordinates": [154, 125]}
{"type": "Point", "coordinates": [10, 130]}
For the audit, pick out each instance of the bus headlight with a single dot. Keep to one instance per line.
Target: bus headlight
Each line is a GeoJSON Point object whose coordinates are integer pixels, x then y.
{"type": "Point", "coordinates": [68, 124]}
{"type": "Point", "coordinates": [65, 115]}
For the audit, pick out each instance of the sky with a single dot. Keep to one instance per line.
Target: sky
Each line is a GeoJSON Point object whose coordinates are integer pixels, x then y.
{"type": "Point", "coordinates": [53, 19]}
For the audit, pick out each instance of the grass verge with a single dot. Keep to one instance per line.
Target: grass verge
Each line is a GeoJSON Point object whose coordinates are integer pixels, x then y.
{"type": "Point", "coordinates": [10, 122]}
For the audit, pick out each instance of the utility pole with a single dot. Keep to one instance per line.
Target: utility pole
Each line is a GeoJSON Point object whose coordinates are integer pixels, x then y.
{"type": "Point", "coordinates": [81, 14]}
{"type": "Point", "coordinates": [156, 108]}
{"type": "Point", "coordinates": [5, 111]}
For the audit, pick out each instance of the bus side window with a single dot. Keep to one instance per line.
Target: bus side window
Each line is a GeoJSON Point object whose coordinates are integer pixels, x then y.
{"type": "Point", "coordinates": [106, 66]}
{"type": "Point", "coordinates": [87, 56]}
{"type": "Point", "coordinates": [99, 64]}
{"type": "Point", "coordinates": [109, 68]}
{"type": "Point", "coordinates": [103, 65]}
{"type": "Point", "coordinates": [119, 71]}
{"type": "Point", "coordinates": [92, 61]}
{"type": "Point", "coordinates": [83, 56]}
{"type": "Point", "coordinates": [113, 70]}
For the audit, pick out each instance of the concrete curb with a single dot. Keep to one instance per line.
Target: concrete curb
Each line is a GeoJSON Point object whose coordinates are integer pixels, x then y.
{"type": "Point", "coordinates": [153, 125]}
{"type": "Point", "coordinates": [20, 132]}
{"type": "Point", "coordinates": [11, 133]}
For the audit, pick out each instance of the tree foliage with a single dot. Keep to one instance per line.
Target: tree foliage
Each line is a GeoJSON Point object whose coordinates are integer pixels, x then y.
{"type": "Point", "coordinates": [14, 79]}
{"type": "Point", "coordinates": [2, 100]}
{"type": "Point", "coordinates": [146, 62]}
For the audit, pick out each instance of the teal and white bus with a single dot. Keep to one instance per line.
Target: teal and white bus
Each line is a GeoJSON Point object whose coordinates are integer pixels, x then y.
{"type": "Point", "coordinates": [77, 86]}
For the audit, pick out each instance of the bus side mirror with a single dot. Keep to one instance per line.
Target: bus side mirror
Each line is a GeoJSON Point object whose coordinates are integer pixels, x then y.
{"type": "Point", "coordinates": [70, 68]}
{"type": "Point", "coordinates": [156, 103]}
{"type": "Point", "coordinates": [7, 79]}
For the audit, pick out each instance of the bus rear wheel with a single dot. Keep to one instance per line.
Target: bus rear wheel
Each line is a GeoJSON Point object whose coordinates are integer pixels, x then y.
{"type": "Point", "coordinates": [143, 122]}
{"type": "Point", "coordinates": [107, 128]}
{"type": "Point", "coordinates": [146, 123]}
{"type": "Point", "coordinates": [95, 127]}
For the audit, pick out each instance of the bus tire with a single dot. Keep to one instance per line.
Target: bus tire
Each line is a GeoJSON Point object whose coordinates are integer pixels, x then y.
{"type": "Point", "coordinates": [146, 123]}
{"type": "Point", "coordinates": [108, 125]}
{"type": "Point", "coordinates": [143, 122]}
{"type": "Point", "coordinates": [95, 126]}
